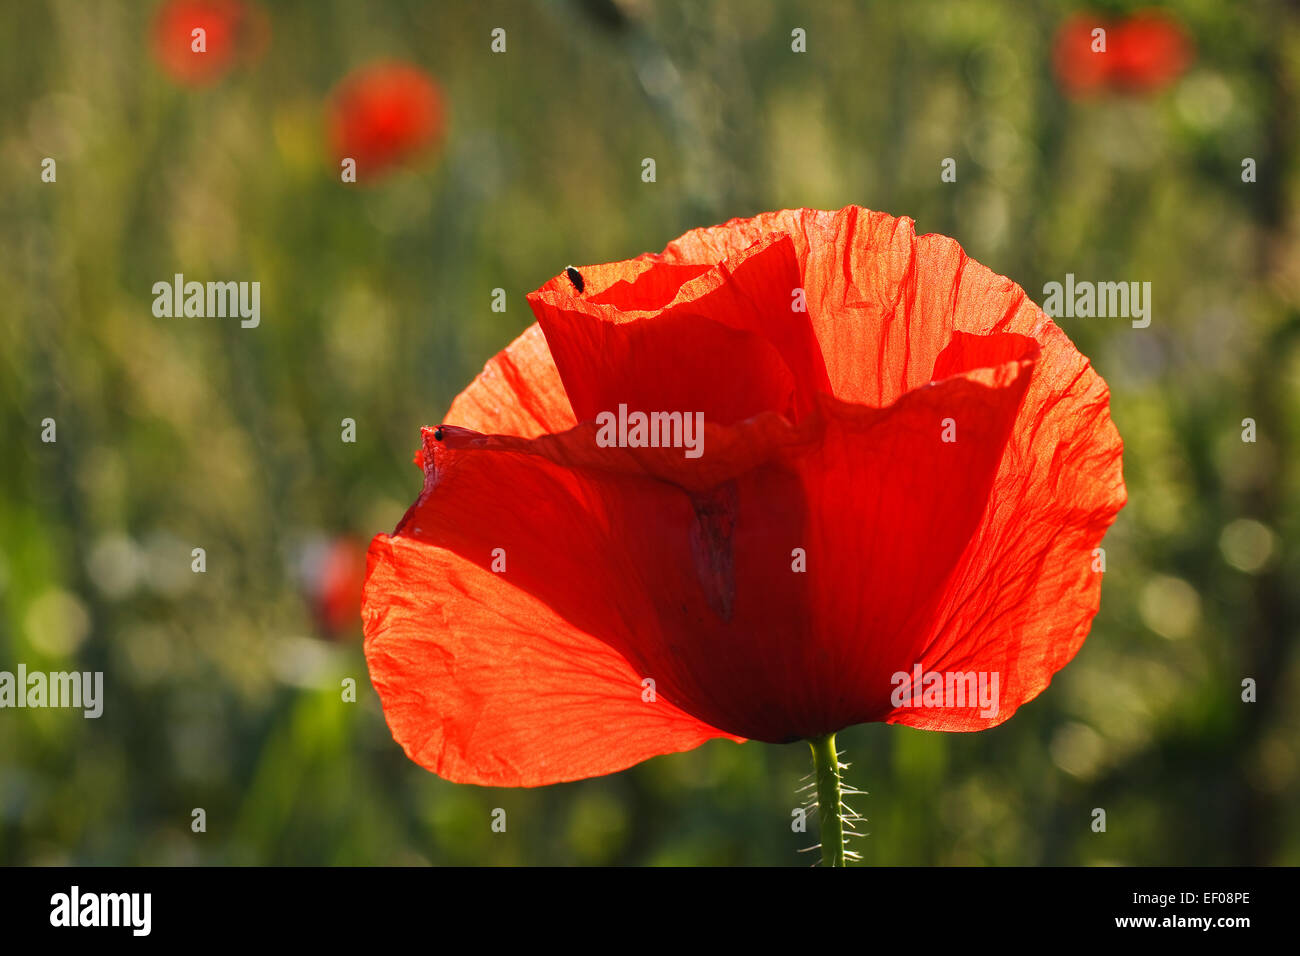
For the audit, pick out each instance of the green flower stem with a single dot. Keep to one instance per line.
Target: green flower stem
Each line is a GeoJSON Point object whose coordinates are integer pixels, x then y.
{"type": "Point", "coordinates": [830, 805]}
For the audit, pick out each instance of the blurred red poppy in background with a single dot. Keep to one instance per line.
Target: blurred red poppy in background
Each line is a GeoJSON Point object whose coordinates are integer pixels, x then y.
{"type": "Point", "coordinates": [232, 32]}
{"type": "Point", "coordinates": [383, 115]}
{"type": "Point", "coordinates": [1144, 53]}
{"type": "Point", "coordinates": [332, 573]}
{"type": "Point", "coordinates": [1151, 51]}
{"type": "Point", "coordinates": [904, 463]}
{"type": "Point", "coordinates": [1081, 70]}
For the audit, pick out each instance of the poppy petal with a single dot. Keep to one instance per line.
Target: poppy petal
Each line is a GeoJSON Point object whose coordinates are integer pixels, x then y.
{"type": "Point", "coordinates": [739, 311]}
{"type": "Point", "coordinates": [622, 557]}
{"type": "Point", "coordinates": [643, 284]}
{"type": "Point", "coordinates": [859, 277]}
{"type": "Point", "coordinates": [1023, 598]}
{"type": "Point", "coordinates": [908, 485]}
{"type": "Point", "coordinates": [519, 392]}
{"type": "Point", "coordinates": [481, 683]}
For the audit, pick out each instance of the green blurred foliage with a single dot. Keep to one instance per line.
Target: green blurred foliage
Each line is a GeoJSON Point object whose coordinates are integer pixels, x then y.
{"type": "Point", "coordinates": [376, 299]}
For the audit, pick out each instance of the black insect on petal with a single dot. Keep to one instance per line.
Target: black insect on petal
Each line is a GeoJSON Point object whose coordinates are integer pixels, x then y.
{"type": "Point", "coordinates": [575, 277]}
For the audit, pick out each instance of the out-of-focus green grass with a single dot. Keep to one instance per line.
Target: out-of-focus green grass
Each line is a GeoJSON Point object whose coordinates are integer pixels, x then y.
{"type": "Point", "coordinates": [376, 305]}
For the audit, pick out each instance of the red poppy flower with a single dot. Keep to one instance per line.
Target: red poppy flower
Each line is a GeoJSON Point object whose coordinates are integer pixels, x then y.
{"type": "Point", "coordinates": [1144, 53]}
{"type": "Point", "coordinates": [1151, 51]}
{"type": "Point", "coordinates": [333, 574]}
{"type": "Point", "coordinates": [912, 472]}
{"type": "Point", "coordinates": [1081, 70]}
{"type": "Point", "coordinates": [383, 115]}
{"type": "Point", "coordinates": [233, 32]}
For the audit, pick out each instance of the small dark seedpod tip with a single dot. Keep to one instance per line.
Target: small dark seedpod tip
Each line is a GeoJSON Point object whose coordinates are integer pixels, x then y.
{"type": "Point", "coordinates": [575, 277]}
